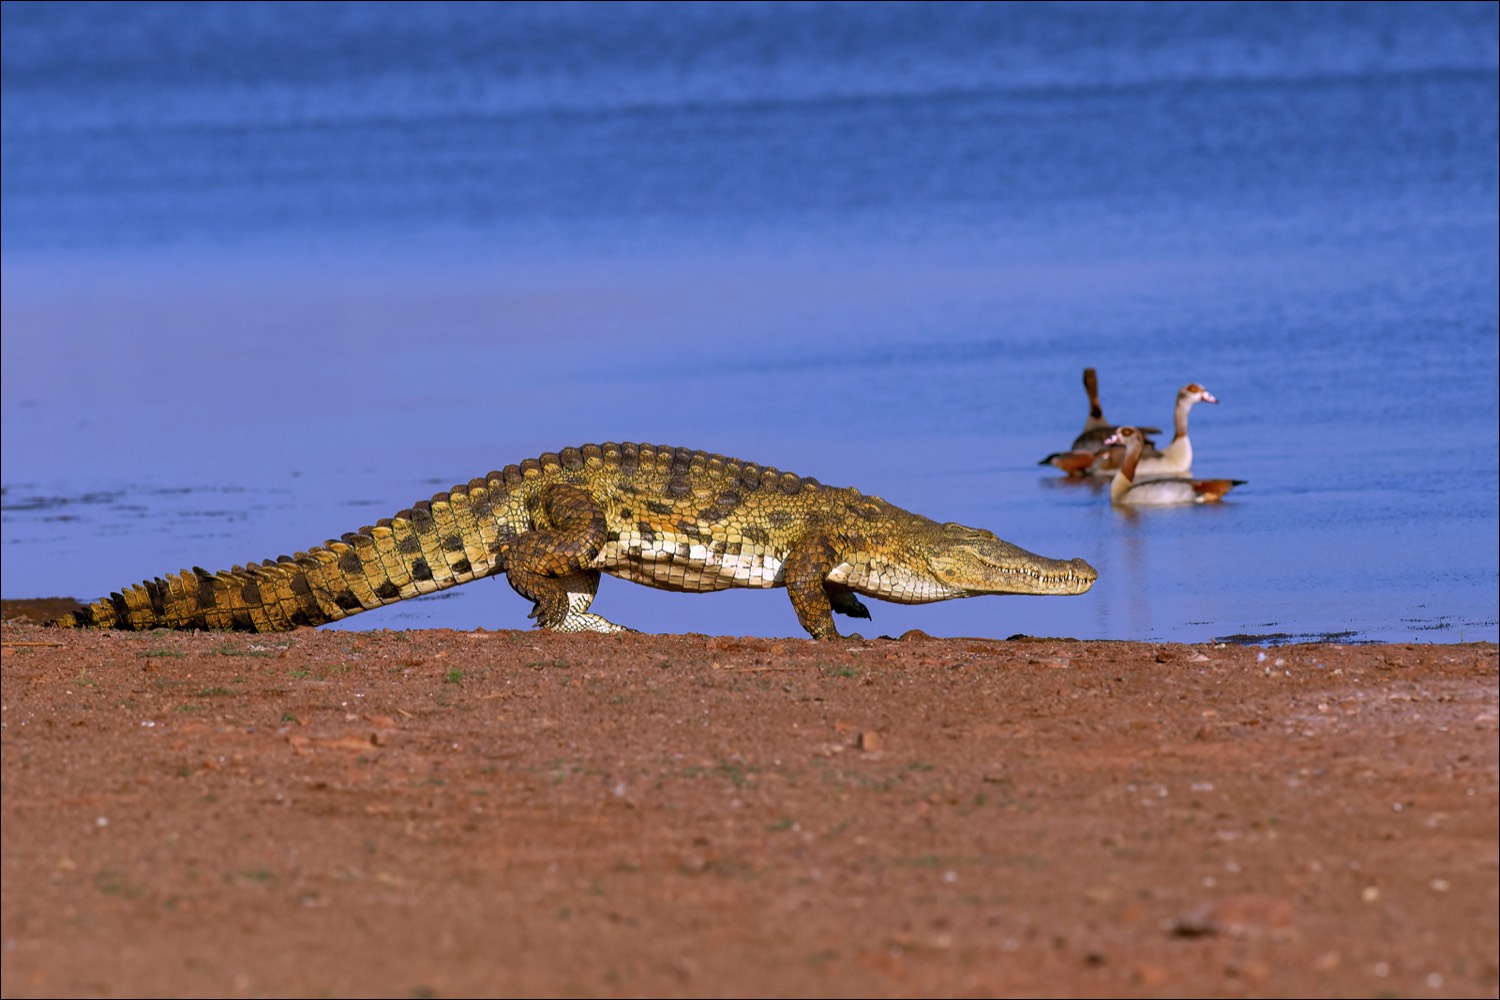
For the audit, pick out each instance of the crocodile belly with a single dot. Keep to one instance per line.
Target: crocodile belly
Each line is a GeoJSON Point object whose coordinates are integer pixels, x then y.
{"type": "Point", "coordinates": [676, 563]}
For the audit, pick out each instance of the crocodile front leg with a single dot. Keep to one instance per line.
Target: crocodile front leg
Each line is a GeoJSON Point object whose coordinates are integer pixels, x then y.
{"type": "Point", "coordinates": [549, 564]}
{"type": "Point", "coordinates": [813, 598]}
{"type": "Point", "coordinates": [845, 601]}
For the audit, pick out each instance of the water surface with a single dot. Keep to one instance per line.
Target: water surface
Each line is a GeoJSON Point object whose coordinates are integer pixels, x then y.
{"type": "Point", "coordinates": [273, 271]}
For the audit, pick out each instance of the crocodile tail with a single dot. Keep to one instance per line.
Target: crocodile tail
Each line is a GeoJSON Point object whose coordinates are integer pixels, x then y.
{"type": "Point", "coordinates": [451, 539]}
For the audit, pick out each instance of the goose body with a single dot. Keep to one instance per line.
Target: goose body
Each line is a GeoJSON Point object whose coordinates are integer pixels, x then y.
{"type": "Point", "coordinates": [1089, 453]}
{"type": "Point", "coordinates": [1173, 491]}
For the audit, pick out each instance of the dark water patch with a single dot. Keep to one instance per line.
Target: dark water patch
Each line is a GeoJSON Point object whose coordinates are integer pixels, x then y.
{"type": "Point", "coordinates": [42, 502]}
{"type": "Point", "coordinates": [1344, 638]}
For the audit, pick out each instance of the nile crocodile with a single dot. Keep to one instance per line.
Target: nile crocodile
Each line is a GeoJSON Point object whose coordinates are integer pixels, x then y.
{"type": "Point", "coordinates": [666, 517]}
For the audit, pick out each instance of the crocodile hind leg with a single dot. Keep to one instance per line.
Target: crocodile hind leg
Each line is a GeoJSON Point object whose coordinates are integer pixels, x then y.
{"type": "Point", "coordinates": [577, 593]}
{"type": "Point", "coordinates": [549, 565]}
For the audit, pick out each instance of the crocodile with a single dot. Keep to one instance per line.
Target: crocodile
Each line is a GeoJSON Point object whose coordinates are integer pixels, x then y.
{"type": "Point", "coordinates": [662, 516]}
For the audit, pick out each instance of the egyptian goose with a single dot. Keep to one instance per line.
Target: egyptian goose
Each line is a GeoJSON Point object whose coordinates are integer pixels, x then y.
{"type": "Point", "coordinates": [1124, 491]}
{"type": "Point", "coordinates": [1176, 460]}
{"type": "Point", "coordinates": [1088, 453]}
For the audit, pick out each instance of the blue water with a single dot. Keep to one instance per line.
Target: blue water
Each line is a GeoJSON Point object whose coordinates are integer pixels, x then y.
{"type": "Point", "coordinates": [273, 271]}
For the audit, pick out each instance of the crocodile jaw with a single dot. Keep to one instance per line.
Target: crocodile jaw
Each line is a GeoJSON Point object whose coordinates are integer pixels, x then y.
{"type": "Point", "coordinates": [970, 561]}
{"type": "Point", "coordinates": [930, 562]}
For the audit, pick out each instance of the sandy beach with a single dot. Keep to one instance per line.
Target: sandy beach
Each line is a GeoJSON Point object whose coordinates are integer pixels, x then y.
{"type": "Point", "coordinates": [441, 813]}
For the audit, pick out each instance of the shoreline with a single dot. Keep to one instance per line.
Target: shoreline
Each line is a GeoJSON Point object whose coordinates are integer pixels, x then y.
{"type": "Point", "coordinates": [39, 610]}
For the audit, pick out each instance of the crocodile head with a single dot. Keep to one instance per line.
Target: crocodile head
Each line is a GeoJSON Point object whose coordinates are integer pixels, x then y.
{"type": "Point", "coordinates": [971, 561]}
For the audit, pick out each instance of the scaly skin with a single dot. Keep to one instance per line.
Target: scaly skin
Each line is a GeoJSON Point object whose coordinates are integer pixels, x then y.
{"type": "Point", "coordinates": [666, 517]}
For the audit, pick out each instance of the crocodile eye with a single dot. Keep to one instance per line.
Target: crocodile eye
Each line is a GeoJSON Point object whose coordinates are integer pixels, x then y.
{"type": "Point", "coordinates": [957, 530]}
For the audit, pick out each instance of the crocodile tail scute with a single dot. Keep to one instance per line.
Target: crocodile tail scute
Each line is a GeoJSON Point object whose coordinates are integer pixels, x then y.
{"type": "Point", "coordinates": [437, 544]}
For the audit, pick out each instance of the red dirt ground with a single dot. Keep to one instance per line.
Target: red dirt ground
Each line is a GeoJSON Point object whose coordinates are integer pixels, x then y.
{"type": "Point", "coordinates": [440, 814]}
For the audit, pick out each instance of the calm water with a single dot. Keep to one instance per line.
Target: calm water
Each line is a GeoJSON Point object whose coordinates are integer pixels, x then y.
{"type": "Point", "coordinates": [272, 272]}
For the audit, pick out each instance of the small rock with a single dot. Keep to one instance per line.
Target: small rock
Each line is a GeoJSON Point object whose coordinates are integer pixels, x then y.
{"type": "Point", "coordinates": [1245, 915]}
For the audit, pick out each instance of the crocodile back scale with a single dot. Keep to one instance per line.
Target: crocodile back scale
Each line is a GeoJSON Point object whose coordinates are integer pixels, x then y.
{"type": "Point", "coordinates": [667, 517]}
